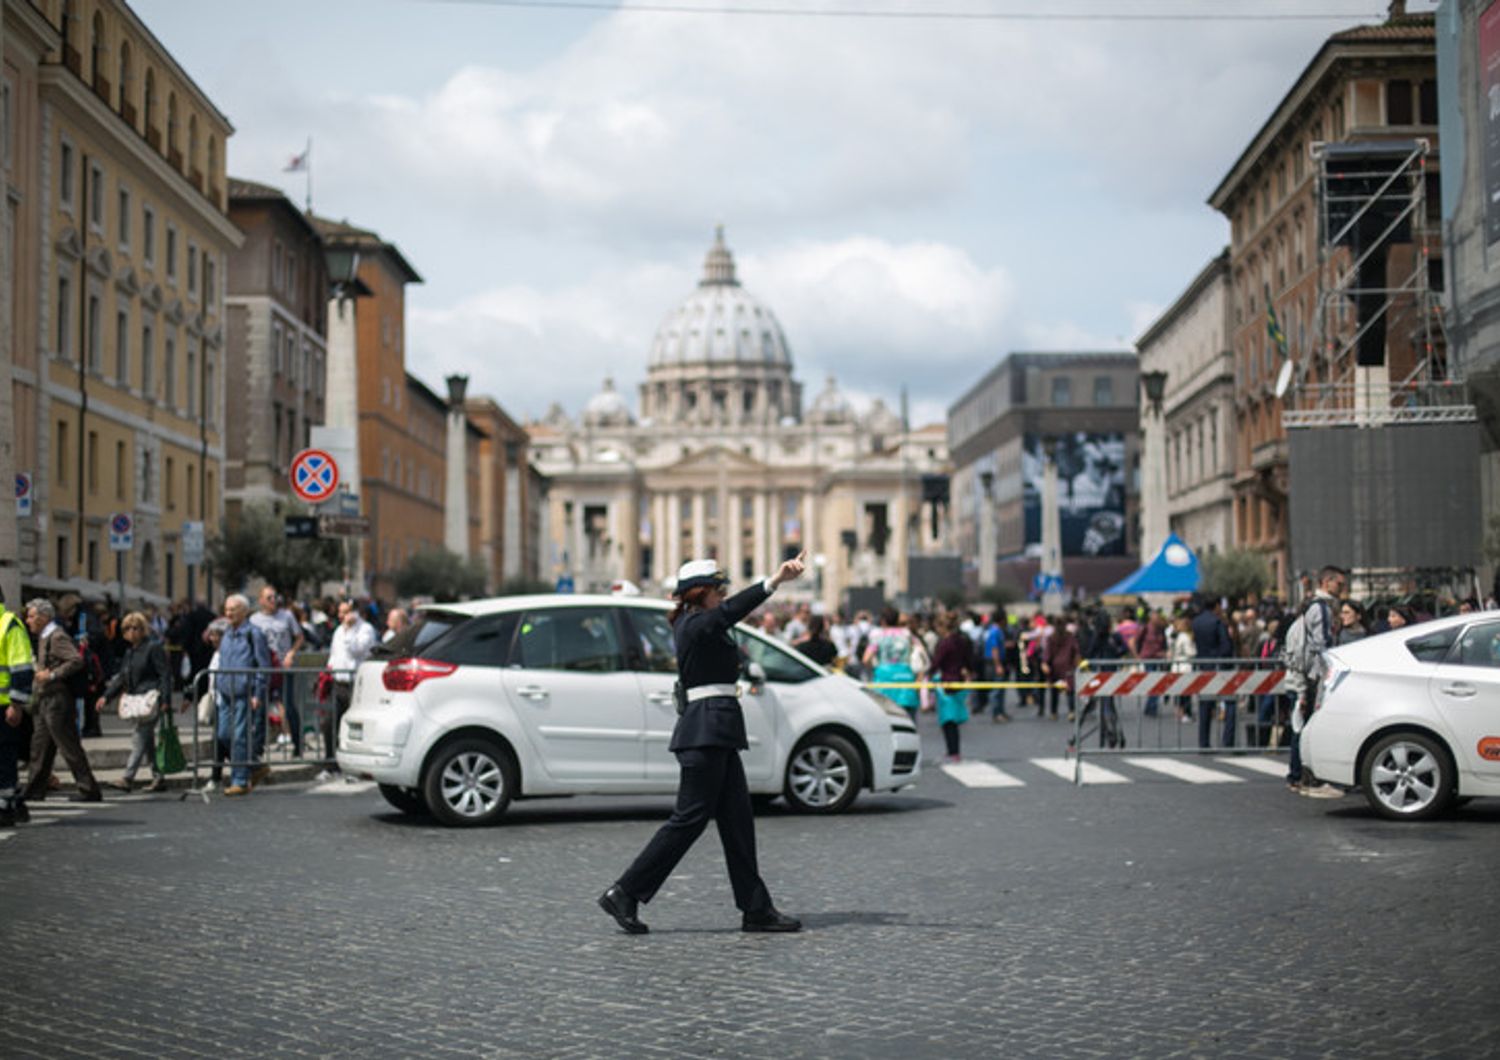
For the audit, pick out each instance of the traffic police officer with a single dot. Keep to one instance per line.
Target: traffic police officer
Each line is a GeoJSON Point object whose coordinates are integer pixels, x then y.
{"type": "Point", "coordinates": [707, 741]}
{"type": "Point", "coordinates": [15, 692]}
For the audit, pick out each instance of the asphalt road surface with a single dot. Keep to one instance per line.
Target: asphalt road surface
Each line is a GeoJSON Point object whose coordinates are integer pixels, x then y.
{"type": "Point", "coordinates": [994, 911]}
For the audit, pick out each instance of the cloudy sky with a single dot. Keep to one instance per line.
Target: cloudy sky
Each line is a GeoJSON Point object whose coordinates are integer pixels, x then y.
{"type": "Point", "coordinates": [913, 197]}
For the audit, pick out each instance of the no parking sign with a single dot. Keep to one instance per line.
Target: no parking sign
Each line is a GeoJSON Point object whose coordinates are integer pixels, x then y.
{"type": "Point", "coordinates": [121, 532]}
{"type": "Point", "coordinates": [23, 493]}
{"type": "Point", "coordinates": [313, 476]}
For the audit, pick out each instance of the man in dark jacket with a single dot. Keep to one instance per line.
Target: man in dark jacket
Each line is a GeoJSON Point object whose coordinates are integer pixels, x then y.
{"type": "Point", "coordinates": [58, 664]}
{"type": "Point", "coordinates": [1211, 638]}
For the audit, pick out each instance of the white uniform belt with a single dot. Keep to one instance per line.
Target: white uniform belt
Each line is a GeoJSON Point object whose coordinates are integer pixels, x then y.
{"type": "Point", "coordinates": [713, 692]}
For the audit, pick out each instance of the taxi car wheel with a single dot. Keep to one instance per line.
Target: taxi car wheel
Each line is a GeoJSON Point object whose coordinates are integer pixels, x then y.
{"type": "Point", "coordinates": [469, 783]}
{"type": "Point", "coordinates": [1407, 776]}
{"type": "Point", "coordinates": [823, 775]}
{"type": "Point", "coordinates": [407, 800]}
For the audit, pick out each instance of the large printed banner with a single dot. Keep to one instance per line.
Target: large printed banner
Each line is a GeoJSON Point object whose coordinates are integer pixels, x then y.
{"type": "Point", "coordinates": [1090, 492]}
{"type": "Point", "coordinates": [1489, 80]}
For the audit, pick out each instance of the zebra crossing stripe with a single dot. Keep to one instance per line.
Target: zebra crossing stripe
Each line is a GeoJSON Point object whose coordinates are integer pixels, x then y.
{"type": "Point", "coordinates": [55, 811]}
{"type": "Point", "coordinates": [1092, 774]}
{"type": "Point", "coordinates": [1271, 767]}
{"type": "Point", "coordinates": [980, 775]}
{"type": "Point", "coordinates": [340, 786]}
{"type": "Point", "coordinates": [1187, 771]}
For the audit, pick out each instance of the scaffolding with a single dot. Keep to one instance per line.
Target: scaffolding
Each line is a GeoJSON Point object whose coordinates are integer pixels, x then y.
{"type": "Point", "coordinates": [1377, 247]}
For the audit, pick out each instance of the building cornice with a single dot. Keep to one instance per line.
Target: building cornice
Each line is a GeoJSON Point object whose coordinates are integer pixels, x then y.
{"type": "Point", "coordinates": [1216, 268]}
{"type": "Point", "coordinates": [60, 88]}
{"type": "Point", "coordinates": [1334, 51]}
{"type": "Point", "coordinates": [31, 27]}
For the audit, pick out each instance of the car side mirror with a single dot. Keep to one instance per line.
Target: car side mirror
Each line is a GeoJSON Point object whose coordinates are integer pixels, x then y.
{"type": "Point", "coordinates": [755, 673]}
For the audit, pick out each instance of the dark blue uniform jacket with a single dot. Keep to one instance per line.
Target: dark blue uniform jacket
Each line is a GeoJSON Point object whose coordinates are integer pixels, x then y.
{"type": "Point", "coordinates": [707, 655]}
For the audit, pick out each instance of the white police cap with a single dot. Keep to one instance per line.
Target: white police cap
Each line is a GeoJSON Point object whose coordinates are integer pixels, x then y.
{"type": "Point", "coordinates": [696, 572]}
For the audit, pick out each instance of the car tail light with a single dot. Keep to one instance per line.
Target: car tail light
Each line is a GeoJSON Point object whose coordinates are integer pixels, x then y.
{"type": "Point", "coordinates": [403, 675]}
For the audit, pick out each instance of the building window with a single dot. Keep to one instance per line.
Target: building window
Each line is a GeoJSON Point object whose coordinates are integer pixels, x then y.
{"type": "Point", "coordinates": [192, 270]}
{"type": "Point", "coordinates": [1062, 390]}
{"type": "Point", "coordinates": [276, 443]}
{"type": "Point", "coordinates": [93, 561]}
{"type": "Point", "coordinates": [169, 372]}
{"type": "Point", "coordinates": [148, 357]}
{"type": "Point", "coordinates": [188, 488]}
{"type": "Point", "coordinates": [171, 252]}
{"type": "Point", "coordinates": [91, 461]}
{"type": "Point", "coordinates": [124, 217]}
{"type": "Point", "coordinates": [192, 384]}
{"type": "Point", "coordinates": [122, 347]}
{"type": "Point", "coordinates": [119, 471]}
{"type": "Point", "coordinates": [276, 265]}
{"type": "Point", "coordinates": [96, 197]}
{"type": "Point", "coordinates": [1104, 390]}
{"type": "Point", "coordinates": [65, 179]}
{"type": "Point", "coordinates": [1398, 102]}
{"type": "Point", "coordinates": [95, 340]}
{"type": "Point", "coordinates": [171, 484]}
{"type": "Point", "coordinates": [62, 555]}
{"type": "Point", "coordinates": [148, 235]}
{"type": "Point", "coordinates": [209, 404]}
{"type": "Point", "coordinates": [6, 122]}
{"type": "Point", "coordinates": [1427, 103]}
{"type": "Point", "coordinates": [276, 349]}
{"type": "Point", "coordinates": [64, 314]}
{"type": "Point", "coordinates": [208, 282]}
{"type": "Point", "coordinates": [61, 462]}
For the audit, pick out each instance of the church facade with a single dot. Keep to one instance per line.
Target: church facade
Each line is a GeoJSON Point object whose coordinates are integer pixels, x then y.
{"type": "Point", "coordinates": [724, 461]}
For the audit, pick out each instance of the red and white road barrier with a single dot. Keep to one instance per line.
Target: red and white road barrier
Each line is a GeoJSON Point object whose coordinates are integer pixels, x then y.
{"type": "Point", "coordinates": [1137, 682]}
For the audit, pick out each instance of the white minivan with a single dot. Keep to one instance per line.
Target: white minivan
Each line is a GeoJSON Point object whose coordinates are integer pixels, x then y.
{"type": "Point", "coordinates": [481, 703]}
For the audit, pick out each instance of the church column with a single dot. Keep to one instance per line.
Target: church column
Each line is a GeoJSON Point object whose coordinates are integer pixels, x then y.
{"type": "Point", "coordinates": [771, 557]}
{"type": "Point", "coordinates": [658, 537]}
{"type": "Point", "coordinates": [758, 534]}
{"type": "Point", "coordinates": [674, 533]}
{"type": "Point", "coordinates": [809, 524]}
{"type": "Point", "coordinates": [734, 528]}
{"type": "Point", "coordinates": [700, 521]}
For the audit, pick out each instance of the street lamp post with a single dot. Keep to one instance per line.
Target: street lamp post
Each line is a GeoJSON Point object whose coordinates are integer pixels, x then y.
{"type": "Point", "coordinates": [1155, 524]}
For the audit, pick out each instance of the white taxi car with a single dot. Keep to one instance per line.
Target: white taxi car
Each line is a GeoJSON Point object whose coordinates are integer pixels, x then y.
{"type": "Point", "coordinates": [481, 703]}
{"type": "Point", "coordinates": [1412, 717]}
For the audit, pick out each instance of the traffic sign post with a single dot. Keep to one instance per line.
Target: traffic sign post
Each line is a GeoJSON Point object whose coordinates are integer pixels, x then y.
{"type": "Point", "coordinates": [192, 543]}
{"type": "Point", "coordinates": [313, 475]}
{"type": "Point", "coordinates": [121, 532]}
{"type": "Point", "coordinates": [23, 494]}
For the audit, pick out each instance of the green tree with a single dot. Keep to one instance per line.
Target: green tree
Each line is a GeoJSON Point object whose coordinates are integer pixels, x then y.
{"type": "Point", "coordinates": [257, 546]}
{"type": "Point", "coordinates": [440, 574]}
{"type": "Point", "coordinates": [1234, 575]}
{"type": "Point", "coordinates": [524, 587]}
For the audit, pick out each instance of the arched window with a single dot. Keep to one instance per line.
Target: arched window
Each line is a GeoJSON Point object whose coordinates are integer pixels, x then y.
{"type": "Point", "coordinates": [70, 23]}
{"type": "Point", "coordinates": [171, 124]}
{"type": "Point", "coordinates": [96, 50]}
{"type": "Point", "coordinates": [192, 150]}
{"type": "Point", "coordinates": [212, 171]}
{"type": "Point", "coordinates": [125, 77]}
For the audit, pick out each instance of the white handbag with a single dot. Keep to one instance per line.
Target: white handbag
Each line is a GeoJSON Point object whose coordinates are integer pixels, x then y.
{"type": "Point", "coordinates": [139, 707]}
{"type": "Point", "coordinates": [207, 709]}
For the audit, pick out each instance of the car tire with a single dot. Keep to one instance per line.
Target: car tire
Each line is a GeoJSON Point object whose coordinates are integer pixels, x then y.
{"type": "Point", "coordinates": [407, 800]}
{"type": "Point", "coordinates": [823, 774]}
{"type": "Point", "coordinates": [1408, 776]}
{"type": "Point", "coordinates": [469, 783]}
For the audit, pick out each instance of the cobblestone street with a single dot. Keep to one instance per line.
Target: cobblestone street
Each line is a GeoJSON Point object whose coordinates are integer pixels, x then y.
{"type": "Point", "coordinates": [1155, 918]}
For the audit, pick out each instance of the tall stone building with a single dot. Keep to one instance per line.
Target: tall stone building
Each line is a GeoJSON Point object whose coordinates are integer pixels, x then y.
{"type": "Point", "coordinates": [276, 337]}
{"type": "Point", "coordinates": [510, 495]}
{"type": "Point", "coordinates": [1187, 472]}
{"type": "Point", "coordinates": [120, 402]}
{"type": "Point", "coordinates": [1369, 84]}
{"type": "Point", "coordinates": [724, 461]}
{"type": "Point", "coordinates": [1080, 408]}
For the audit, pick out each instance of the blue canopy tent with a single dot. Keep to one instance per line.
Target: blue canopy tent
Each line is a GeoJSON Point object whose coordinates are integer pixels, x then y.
{"type": "Point", "coordinates": [1174, 570]}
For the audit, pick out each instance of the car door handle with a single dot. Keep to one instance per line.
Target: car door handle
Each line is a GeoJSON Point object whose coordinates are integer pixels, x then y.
{"type": "Point", "coordinates": [661, 698]}
{"type": "Point", "coordinates": [531, 692]}
{"type": "Point", "coordinates": [1458, 690]}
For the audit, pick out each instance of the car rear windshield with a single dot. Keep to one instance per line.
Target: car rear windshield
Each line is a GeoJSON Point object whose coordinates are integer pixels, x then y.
{"type": "Point", "coordinates": [426, 628]}
{"type": "Point", "coordinates": [1433, 647]}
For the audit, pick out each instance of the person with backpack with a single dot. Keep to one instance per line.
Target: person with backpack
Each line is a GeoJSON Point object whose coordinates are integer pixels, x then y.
{"type": "Point", "coordinates": [1313, 632]}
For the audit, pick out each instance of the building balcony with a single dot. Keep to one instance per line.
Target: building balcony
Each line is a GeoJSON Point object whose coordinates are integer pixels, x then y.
{"type": "Point", "coordinates": [102, 89]}
{"type": "Point", "coordinates": [195, 178]}
{"type": "Point", "coordinates": [128, 113]}
{"type": "Point", "coordinates": [174, 158]}
{"type": "Point", "coordinates": [72, 59]}
{"type": "Point", "coordinates": [153, 138]}
{"type": "Point", "coordinates": [1269, 455]}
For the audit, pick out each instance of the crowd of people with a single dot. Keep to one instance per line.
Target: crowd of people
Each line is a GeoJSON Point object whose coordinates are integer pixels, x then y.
{"type": "Point", "coordinates": [915, 657]}
{"type": "Point", "coordinates": [65, 661]}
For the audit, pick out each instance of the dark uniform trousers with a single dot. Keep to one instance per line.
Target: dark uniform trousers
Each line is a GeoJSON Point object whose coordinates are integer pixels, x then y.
{"type": "Point", "coordinates": [57, 730]}
{"type": "Point", "coordinates": [712, 788]}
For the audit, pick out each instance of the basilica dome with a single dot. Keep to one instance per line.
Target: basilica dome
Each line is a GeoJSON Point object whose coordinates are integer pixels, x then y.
{"type": "Point", "coordinates": [607, 408]}
{"type": "Point", "coordinates": [720, 322]}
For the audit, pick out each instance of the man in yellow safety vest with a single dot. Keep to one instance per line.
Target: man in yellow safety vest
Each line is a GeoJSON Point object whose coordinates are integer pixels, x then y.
{"type": "Point", "coordinates": [15, 693]}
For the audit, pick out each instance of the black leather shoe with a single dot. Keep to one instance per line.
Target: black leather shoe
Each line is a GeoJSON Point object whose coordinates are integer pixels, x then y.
{"type": "Point", "coordinates": [87, 796]}
{"type": "Point", "coordinates": [622, 907]}
{"type": "Point", "coordinates": [771, 921]}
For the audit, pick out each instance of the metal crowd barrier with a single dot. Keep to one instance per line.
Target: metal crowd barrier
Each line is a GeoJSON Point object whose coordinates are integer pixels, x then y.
{"type": "Point", "coordinates": [1142, 707]}
{"type": "Point", "coordinates": [303, 718]}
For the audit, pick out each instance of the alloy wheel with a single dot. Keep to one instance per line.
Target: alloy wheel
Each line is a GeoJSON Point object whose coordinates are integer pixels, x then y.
{"type": "Point", "coordinates": [819, 775]}
{"type": "Point", "coordinates": [472, 784]}
{"type": "Point", "coordinates": [1406, 777]}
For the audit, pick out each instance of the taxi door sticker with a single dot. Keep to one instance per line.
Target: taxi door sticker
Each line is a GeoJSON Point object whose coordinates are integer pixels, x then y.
{"type": "Point", "coordinates": [1489, 748]}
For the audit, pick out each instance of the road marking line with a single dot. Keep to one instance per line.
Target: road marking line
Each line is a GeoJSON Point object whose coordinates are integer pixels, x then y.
{"type": "Point", "coordinates": [1271, 767]}
{"type": "Point", "coordinates": [1092, 774]}
{"type": "Point", "coordinates": [343, 787]}
{"type": "Point", "coordinates": [980, 775]}
{"type": "Point", "coordinates": [54, 811]}
{"type": "Point", "coordinates": [1185, 771]}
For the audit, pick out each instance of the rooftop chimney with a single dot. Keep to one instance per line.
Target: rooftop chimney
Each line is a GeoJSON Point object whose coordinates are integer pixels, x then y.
{"type": "Point", "coordinates": [1396, 10]}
